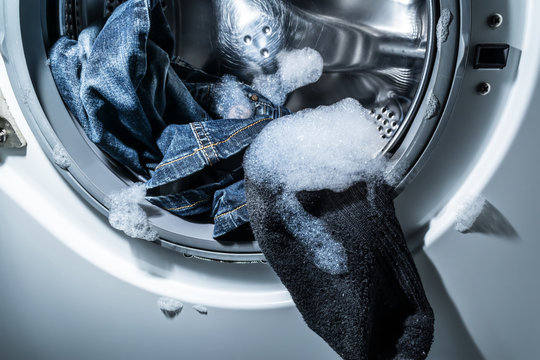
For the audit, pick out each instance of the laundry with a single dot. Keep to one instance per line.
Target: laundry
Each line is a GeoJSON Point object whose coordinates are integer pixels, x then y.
{"type": "Point", "coordinates": [159, 116]}
{"type": "Point", "coordinates": [324, 218]}
{"type": "Point", "coordinates": [336, 164]}
{"type": "Point", "coordinates": [326, 223]}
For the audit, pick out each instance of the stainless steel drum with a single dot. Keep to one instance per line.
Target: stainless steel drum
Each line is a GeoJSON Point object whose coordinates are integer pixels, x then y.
{"type": "Point", "coordinates": [376, 51]}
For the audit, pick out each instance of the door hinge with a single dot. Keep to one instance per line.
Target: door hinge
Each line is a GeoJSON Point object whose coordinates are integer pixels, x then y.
{"type": "Point", "coordinates": [10, 135]}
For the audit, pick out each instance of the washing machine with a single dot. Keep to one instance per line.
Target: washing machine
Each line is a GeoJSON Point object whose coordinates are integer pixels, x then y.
{"type": "Point", "coordinates": [455, 85]}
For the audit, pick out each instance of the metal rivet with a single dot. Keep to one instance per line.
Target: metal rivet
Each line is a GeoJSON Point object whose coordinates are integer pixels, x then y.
{"type": "Point", "coordinates": [3, 135]}
{"type": "Point", "coordinates": [495, 20]}
{"type": "Point", "coordinates": [265, 52]}
{"type": "Point", "coordinates": [247, 39]}
{"type": "Point", "coordinates": [483, 88]}
{"type": "Point", "coordinates": [254, 97]}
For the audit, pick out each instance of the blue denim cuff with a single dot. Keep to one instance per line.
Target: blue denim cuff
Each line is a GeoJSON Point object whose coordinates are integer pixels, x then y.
{"type": "Point", "coordinates": [229, 210]}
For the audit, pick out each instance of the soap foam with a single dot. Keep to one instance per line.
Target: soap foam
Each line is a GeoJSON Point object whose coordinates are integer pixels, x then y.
{"type": "Point", "coordinates": [330, 147]}
{"type": "Point", "coordinates": [296, 68]}
{"type": "Point", "coordinates": [231, 100]}
{"type": "Point", "coordinates": [468, 211]}
{"type": "Point", "coordinates": [127, 215]}
{"type": "Point", "coordinates": [201, 309]}
{"type": "Point", "coordinates": [433, 108]}
{"type": "Point", "coordinates": [61, 157]}
{"type": "Point", "coordinates": [328, 254]}
{"type": "Point", "coordinates": [443, 27]}
{"type": "Point", "coordinates": [171, 308]}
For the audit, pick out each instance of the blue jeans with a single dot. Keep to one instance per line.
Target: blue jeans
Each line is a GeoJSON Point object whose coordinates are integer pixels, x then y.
{"type": "Point", "coordinates": [155, 114]}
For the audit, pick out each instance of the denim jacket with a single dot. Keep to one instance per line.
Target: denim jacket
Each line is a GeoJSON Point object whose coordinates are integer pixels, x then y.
{"type": "Point", "coordinates": [155, 114]}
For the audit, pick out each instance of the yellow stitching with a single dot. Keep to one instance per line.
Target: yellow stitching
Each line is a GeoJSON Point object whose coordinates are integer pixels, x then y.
{"type": "Point", "coordinates": [188, 206]}
{"type": "Point", "coordinates": [194, 128]}
{"type": "Point", "coordinates": [218, 143]}
{"type": "Point", "coordinates": [208, 137]}
{"type": "Point", "coordinates": [229, 212]}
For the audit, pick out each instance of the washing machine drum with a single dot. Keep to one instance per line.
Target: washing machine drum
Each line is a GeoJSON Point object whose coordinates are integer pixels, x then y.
{"type": "Point", "coordinates": [397, 57]}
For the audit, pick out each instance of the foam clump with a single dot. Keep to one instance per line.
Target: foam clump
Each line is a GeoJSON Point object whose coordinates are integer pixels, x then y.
{"type": "Point", "coordinates": [201, 309]}
{"type": "Point", "coordinates": [231, 101]}
{"type": "Point", "coordinates": [467, 212]}
{"type": "Point", "coordinates": [171, 308]}
{"type": "Point", "coordinates": [476, 215]}
{"type": "Point", "coordinates": [296, 68]}
{"type": "Point", "coordinates": [433, 107]}
{"type": "Point", "coordinates": [330, 147]}
{"type": "Point", "coordinates": [126, 213]}
{"type": "Point", "coordinates": [61, 157]}
{"type": "Point", "coordinates": [443, 27]}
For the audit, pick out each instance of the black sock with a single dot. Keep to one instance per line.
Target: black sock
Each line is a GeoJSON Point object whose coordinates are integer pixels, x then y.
{"type": "Point", "coordinates": [376, 308]}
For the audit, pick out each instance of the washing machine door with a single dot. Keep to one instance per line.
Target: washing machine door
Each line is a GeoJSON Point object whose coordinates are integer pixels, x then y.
{"type": "Point", "coordinates": [449, 108]}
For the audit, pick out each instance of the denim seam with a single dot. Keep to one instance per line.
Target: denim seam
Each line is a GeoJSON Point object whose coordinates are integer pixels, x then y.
{"type": "Point", "coordinates": [215, 144]}
{"type": "Point", "coordinates": [210, 140]}
{"type": "Point", "coordinates": [229, 212]}
{"type": "Point", "coordinates": [206, 140]}
{"type": "Point", "coordinates": [201, 143]}
{"type": "Point", "coordinates": [188, 206]}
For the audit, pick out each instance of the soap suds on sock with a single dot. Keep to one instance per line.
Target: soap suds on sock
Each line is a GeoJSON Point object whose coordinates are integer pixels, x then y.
{"type": "Point", "coordinates": [468, 211]}
{"type": "Point", "coordinates": [61, 157]}
{"type": "Point", "coordinates": [127, 215]}
{"type": "Point", "coordinates": [330, 147]}
{"type": "Point", "coordinates": [443, 27]}
{"type": "Point", "coordinates": [328, 254]}
{"type": "Point", "coordinates": [171, 308]}
{"type": "Point", "coordinates": [296, 68]}
{"type": "Point", "coordinates": [201, 309]}
{"type": "Point", "coordinates": [231, 101]}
